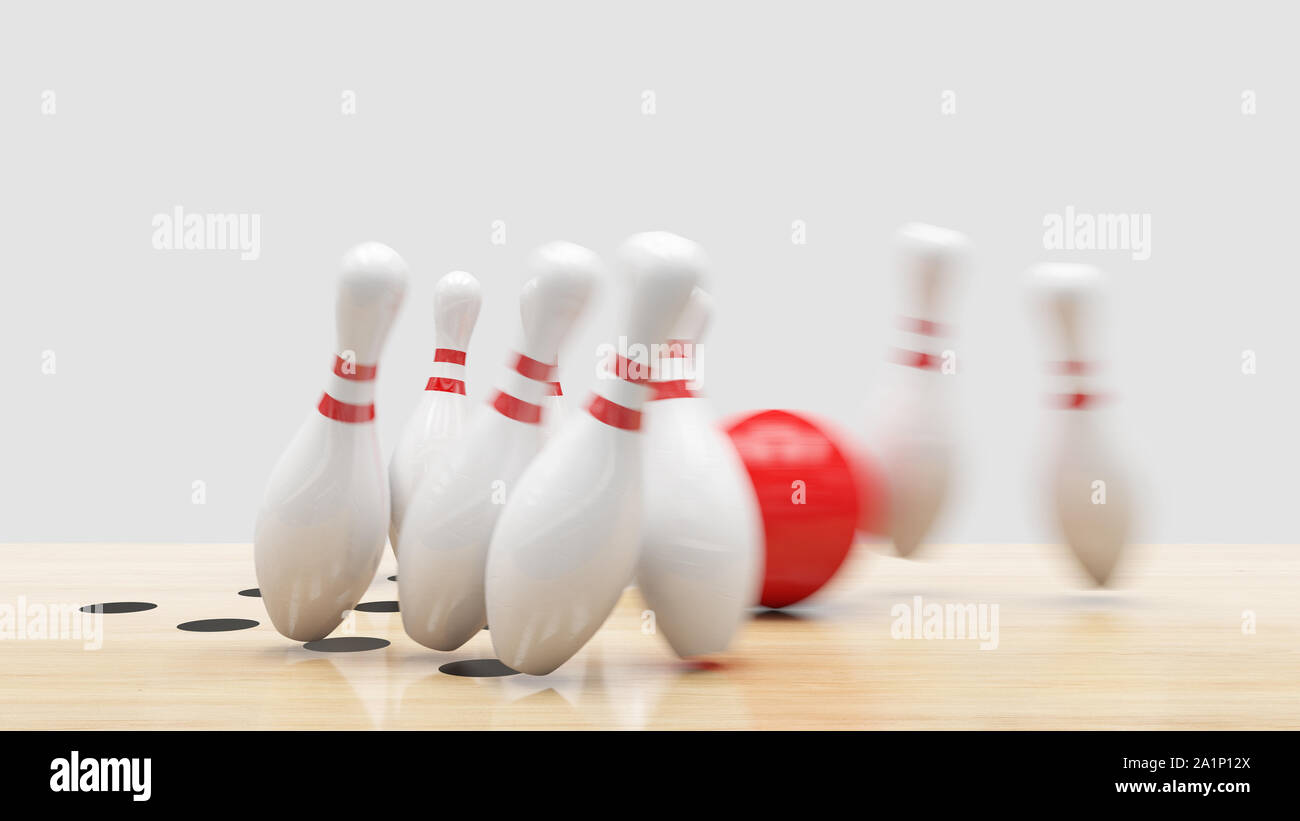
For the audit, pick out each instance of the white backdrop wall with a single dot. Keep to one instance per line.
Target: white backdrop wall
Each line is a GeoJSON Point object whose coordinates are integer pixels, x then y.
{"type": "Point", "coordinates": [441, 128]}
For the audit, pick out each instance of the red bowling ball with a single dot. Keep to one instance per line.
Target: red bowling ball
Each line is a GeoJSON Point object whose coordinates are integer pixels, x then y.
{"type": "Point", "coordinates": [810, 481]}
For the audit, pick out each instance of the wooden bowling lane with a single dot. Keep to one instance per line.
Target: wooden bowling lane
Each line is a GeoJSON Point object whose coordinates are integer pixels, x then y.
{"type": "Point", "coordinates": [1165, 650]}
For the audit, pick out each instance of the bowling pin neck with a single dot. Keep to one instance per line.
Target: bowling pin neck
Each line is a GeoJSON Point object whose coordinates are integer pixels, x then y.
{"type": "Point", "coordinates": [371, 290]}
{"type": "Point", "coordinates": [457, 299]}
{"type": "Point", "coordinates": [448, 371]}
{"type": "Point", "coordinates": [693, 322]}
{"type": "Point", "coordinates": [545, 352]}
{"type": "Point", "coordinates": [553, 388]}
{"type": "Point", "coordinates": [921, 343]}
{"type": "Point", "coordinates": [677, 353]}
{"type": "Point", "coordinates": [549, 307]}
{"type": "Point", "coordinates": [664, 270]}
{"type": "Point", "coordinates": [929, 260]}
{"type": "Point", "coordinates": [623, 387]}
{"type": "Point", "coordinates": [1074, 385]}
{"type": "Point", "coordinates": [627, 376]}
{"type": "Point", "coordinates": [677, 377]}
{"type": "Point", "coordinates": [678, 374]}
{"type": "Point", "coordinates": [350, 392]}
{"type": "Point", "coordinates": [523, 388]}
{"type": "Point", "coordinates": [926, 281]}
{"type": "Point", "coordinates": [931, 257]}
{"type": "Point", "coordinates": [1068, 294]}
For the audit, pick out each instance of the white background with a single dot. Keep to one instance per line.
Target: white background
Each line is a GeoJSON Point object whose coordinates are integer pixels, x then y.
{"type": "Point", "coordinates": [193, 365]}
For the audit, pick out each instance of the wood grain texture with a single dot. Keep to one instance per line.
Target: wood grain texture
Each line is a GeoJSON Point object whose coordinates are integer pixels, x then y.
{"type": "Point", "coordinates": [1166, 649]}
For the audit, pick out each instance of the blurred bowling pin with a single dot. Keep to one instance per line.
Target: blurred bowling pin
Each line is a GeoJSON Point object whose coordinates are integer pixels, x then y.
{"type": "Point", "coordinates": [439, 418]}
{"type": "Point", "coordinates": [1092, 493]}
{"type": "Point", "coordinates": [569, 537]}
{"type": "Point", "coordinates": [916, 438]}
{"type": "Point", "coordinates": [444, 539]}
{"type": "Point", "coordinates": [320, 531]}
{"type": "Point", "coordinates": [702, 543]}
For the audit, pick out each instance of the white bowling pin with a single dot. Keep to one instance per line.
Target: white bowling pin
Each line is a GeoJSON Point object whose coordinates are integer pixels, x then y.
{"type": "Point", "coordinates": [438, 420]}
{"type": "Point", "coordinates": [702, 542]}
{"type": "Point", "coordinates": [569, 537]}
{"type": "Point", "coordinates": [444, 539]}
{"type": "Point", "coordinates": [1092, 493]}
{"type": "Point", "coordinates": [321, 527]}
{"type": "Point", "coordinates": [916, 438]}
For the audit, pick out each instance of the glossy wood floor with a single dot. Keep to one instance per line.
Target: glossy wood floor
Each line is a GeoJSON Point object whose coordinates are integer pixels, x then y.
{"type": "Point", "coordinates": [1166, 649]}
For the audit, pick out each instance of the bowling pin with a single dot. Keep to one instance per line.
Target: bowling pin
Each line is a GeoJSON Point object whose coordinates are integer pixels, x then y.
{"type": "Point", "coordinates": [702, 538]}
{"type": "Point", "coordinates": [1092, 493]}
{"type": "Point", "coordinates": [916, 439]}
{"type": "Point", "coordinates": [439, 418]}
{"type": "Point", "coordinates": [321, 527]}
{"type": "Point", "coordinates": [444, 539]}
{"type": "Point", "coordinates": [570, 535]}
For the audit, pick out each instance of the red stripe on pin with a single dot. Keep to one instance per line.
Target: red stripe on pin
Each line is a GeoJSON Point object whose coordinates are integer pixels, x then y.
{"type": "Point", "coordinates": [916, 359]}
{"type": "Point", "coordinates": [614, 415]}
{"type": "Point", "coordinates": [347, 369]}
{"type": "Point", "coordinates": [1076, 401]}
{"type": "Point", "coordinates": [628, 369]}
{"type": "Point", "coordinates": [451, 355]}
{"type": "Point", "coordinates": [442, 383]}
{"type": "Point", "coordinates": [555, 389]}
{"type": "Point", "coordinates": [672, 389]}
{"type": "Point", "coordinates": [332, 408]}
{"type": "Point", "coordinates": [922, 326]}
{"type": "Point", "coordinates": [517, 409]}
{"type": "Point", "coordinates": [677, 349]}
{"type": "Point", "coordinates": [1072, 367]}
{"type": "Point", "coordinates": [533, 369]}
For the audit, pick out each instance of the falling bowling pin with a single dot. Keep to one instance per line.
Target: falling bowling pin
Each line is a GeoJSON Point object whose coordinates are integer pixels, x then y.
{"type": "Point", "coordinates": [444, 539]}
{"type": "Point", "coordinates": [570, 535]}
{"type": "Point", "coordinates": [702, 543]}
{"type": "Point", "coordinates": [439, 418]}
{"type": "Point", "coordinates": [1092, 493]}
{"type": "Point", "coordinates": [916, 439]}
{"type": "Point", "coordinates": [320, 530]}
